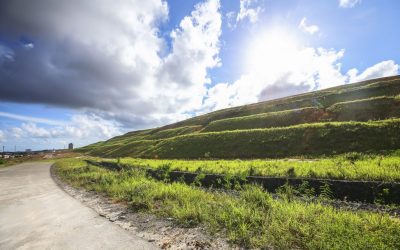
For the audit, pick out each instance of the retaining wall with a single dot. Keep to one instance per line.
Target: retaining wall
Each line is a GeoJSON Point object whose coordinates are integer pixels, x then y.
{"type": "Point", "coordinates": [360, 191]}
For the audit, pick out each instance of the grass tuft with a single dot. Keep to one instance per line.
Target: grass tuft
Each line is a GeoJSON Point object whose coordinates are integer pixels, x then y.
{"type": "Point", "coordinates": [250, 218]}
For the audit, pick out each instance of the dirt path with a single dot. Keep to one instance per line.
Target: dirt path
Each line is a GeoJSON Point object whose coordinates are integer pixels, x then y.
{"type": "Point", "coordinates": [36, 214]}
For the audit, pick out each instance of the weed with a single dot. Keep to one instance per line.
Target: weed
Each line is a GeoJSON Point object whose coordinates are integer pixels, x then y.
{"type": "Point", "coordinates": [325, 192]}
{"type": "Point", "coordinates": [382, 197]}
{"type": "Point", "coordinates": [250, 218]}
{"type": "Point", "coordinates": [364, 167]}
{"type": "Point", "coordinates": [199, 178]}
{"type": "Point", "coordinates": [305, 190]}
{"type": "Point", "coordinates": [286, 192]}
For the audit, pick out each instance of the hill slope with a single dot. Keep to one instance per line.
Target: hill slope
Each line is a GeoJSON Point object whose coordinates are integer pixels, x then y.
{"type": "Point", "coordinates": [354, 117]}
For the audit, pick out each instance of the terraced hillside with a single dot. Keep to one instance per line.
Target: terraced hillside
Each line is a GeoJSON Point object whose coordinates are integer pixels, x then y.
{"type": "Point", "coordinates": [359, 117]}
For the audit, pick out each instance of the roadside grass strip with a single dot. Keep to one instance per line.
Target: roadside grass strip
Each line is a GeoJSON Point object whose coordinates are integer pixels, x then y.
{"type": "Point", "coordinates": [250, 218]}
{"type": "Point", "coordinates": [350, 166]}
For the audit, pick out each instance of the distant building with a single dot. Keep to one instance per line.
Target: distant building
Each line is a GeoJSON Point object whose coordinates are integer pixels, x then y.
{"type": "Point", "coordinates": [70, 146]}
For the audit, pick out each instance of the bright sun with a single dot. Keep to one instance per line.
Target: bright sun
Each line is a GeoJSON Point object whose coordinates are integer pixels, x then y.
{"type": "Point", "coordinates": [272, 51]}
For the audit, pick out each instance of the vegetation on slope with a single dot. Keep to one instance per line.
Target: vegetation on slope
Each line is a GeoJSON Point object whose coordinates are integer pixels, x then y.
{"type": "Point", "coordinates": [135, 143]}
{"type": "Point", "coordinates": [251, 218]}
{"type": "Point", "coordinates": [267, 120]}
{"type": "Point", "coordinates": [376, 108]}
{"type": "Point", "coordinates": [344, 167]}
{"type": "Point", "coordinates": [388, 86]}
{"type": "Point", "coordinates": [365, 101]}
{"type": "Point", "coordinates": [313, 139]}
{"type": "Point", "coordinates": [161, 134]}
{"type": "Point", "coordinates": [307, 139]}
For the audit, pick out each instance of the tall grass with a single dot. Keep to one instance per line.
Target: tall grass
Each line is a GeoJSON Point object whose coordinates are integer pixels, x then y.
{"type": "Point", "coordinates": [251, 218]}
{"type": "Point", "coordinates": [344, 167]}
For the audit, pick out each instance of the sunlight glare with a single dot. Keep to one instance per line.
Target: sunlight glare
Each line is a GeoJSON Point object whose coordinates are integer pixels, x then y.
{"type": "Point", "coordinates": [272, 52]}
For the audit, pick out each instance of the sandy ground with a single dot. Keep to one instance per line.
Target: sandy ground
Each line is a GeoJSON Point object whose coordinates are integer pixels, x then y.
{"type": "Point", "coordinates": [36, 214]}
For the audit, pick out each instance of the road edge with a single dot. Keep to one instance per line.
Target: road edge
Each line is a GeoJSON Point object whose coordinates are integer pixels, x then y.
{"type": "Point", "coordinates": [161, 232]}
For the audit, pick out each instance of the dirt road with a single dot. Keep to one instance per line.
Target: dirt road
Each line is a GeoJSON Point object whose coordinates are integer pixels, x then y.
{"type": "Point", "coordinates": [36, 214]}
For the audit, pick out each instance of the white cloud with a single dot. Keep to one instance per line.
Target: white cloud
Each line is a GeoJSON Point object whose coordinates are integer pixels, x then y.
{"type": "Point", "coordinates": [92, 126]}
{"type": "Point", "coordinates": [382, 69]}
{"type": "Point", "coordinates": [305, 70]}
{"type": "Point", "coordinates": [195, 48]}
{"type": "Point", "coordinates": [30, 118]}
{"type": "Point", "coordinates": [110, 59]}
{"type": "Point", "coordinates": [2, 136]}
{"type": "Point", "coordinates": [120, 76]}
{"type": "Point", "coordinates": [6, 54]}
{"type": "Point", "coordinates": [248, 10]}
{"type": "Point", "coordinates": [310, 29]}
{"type": "Point", "coordinates": [231, 19]}
{"type": "Point", "coordinates": [29, 46]}
{"type": "Point", "coordinates": [348, 3]}
{"type": "Point", "coordinates": [278, 67]}
{"type": "Point", "coordinates": [79, 127]}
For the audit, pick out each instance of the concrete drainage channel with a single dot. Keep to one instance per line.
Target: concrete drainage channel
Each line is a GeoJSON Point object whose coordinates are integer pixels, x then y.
{"type": "Point", "coordinates": [358, 191]}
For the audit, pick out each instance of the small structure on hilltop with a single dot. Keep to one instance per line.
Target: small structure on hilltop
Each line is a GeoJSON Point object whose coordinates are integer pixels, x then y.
{"type": "Point", "coordinates": [70, 146]}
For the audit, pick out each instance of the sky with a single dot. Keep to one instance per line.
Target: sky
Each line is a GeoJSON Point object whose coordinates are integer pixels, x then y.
{"type": "Point", "coordinates": [85, 71]}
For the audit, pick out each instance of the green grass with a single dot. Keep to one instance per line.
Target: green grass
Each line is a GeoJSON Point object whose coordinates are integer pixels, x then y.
{"type": "Point", "coordinates": [344, 167]}
{"type": "Point", "coordinates": [167, 133]}
{"type": "Point", "coordinates": [306, 139]}
{"type": "Point", "coordinates": [376, 108]}
{"type": "Point", "coordinates": [267, 120]}
{"type": "Point", "coordinates": [250, 218]}
{"type": "Point", "coordinates": [314, 139]}
{"type": "Point", "coordinates": [3, 163]}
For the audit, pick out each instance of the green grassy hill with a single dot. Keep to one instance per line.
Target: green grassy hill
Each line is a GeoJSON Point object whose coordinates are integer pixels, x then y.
{"type": "Point", "coordinates": [357, 117]}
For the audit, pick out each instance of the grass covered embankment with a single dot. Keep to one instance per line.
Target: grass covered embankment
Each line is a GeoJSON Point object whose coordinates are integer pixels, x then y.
{"type": "Point", "coordinates": [251, 218]}
{"type": "Point", "coordinates": [376, 108]}
{"type": "Point", "coordinates": [307, 139]}
{"type": "Point", "coordinates": [314, 139]}
{"type": "Point", "coordinates": [348, 118]}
